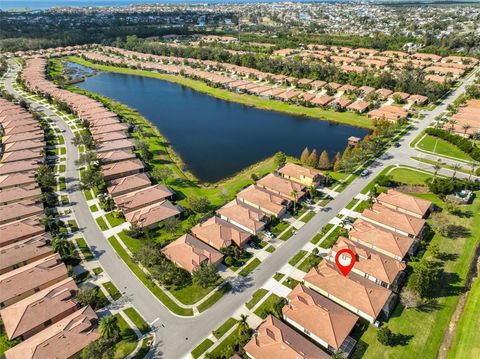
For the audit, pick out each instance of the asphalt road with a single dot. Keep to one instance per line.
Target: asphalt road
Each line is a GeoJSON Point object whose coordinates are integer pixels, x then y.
{"type": "Point", "coordinates": [177, 336]}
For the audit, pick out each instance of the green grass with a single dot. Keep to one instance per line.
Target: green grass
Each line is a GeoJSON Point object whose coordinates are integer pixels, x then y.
{"type": "Point", "coordinates": [270, 249]}
{"type": "Point", "coordinates": [361, 206]}
{"type": "Point", "coordinates": [149, 284]}
{"type": "Point", "coordinates": [137, 319]}
{"type": "Point", "coordinates": [93, 208]}
{"type": "Point", "coordinates": [65, 200]}
{"type": "Point", "coordinates": [201, 348]}
{"type": "Point", "coordinates": [278, 276]}
{"type": "Point", "coordinates": [101, 223]}
{"type": "Point", "coordinates": [290, 282]}
{"type": "Point", "coordinates": [409, 177]}
{"type": "Point", "coordinates": [249, 100]}
{"type": "Point", "coordinates": [88, 195]}
{"type": "Point", "coordinates": [128, 339]}
{"type": "Point", "coordinates": [311, 261]}
{"type": "Point", "coordinates": [228, 342]}
{"type": "Point", "coordinates": [279, 227]}
{"type": "Point", "coordinates": [112, 290]}
{"type": "Point", "coordinates": [442, 148]}
{"type": "Point", "coordinates": [61, 183]}
{"type": "Point", "coordinates": [87, 253]}
{"type": "Point", "coordinates": [131, 243]}
{"type": "Point", "coordinates": [113, 220]}
{"type": "Point", "coordinates": [61, 140]}
{"type": "Point", "coordinates": [256, 297]}
{"type": "Point", "coordinates": [144, 349]}
{"type": "Point", "coordinates": [308, 216]}
{"type": "Point", "coordinates": [332, 237]}
{"type": "Point", "coordinates": [102, 300]}
{"type": "Point", "coordinates": [285, 236]}
{"type": "Point", "coordinates": [6, 344]}
{"type": "Point", "coordinates": [192, 293]}
{"type": "Point", "coordinates": [372, 183]}
{"type": "Point", "coordinates": [215, 297]}
{"type": "Point", "coordinates": [73, 225]}
{"type": "Point", "coordinates": [466, 343]}
{"type": "Point", "coordinates": [426, 328]}
{"type": "Point", "coordinates": [297, 257]}
{"type": "Point", "coordinates": [97, 270]}
{"type": "Point", "coordinates": [225, 327]}
{"type": "Point", "coordinates": [250, 267]}
{"type": "Point", "coordinates": [63, 151]}
{"type": "Point", "coordinates": [268, 306]}
{"type": "Point", "coordinates": [316, 238]}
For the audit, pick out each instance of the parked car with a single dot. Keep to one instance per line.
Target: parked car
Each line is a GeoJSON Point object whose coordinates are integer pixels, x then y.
{"type": "Point", "coordinates": [269, 234]}
{"type": "Point", "coordinates": [364, 173]}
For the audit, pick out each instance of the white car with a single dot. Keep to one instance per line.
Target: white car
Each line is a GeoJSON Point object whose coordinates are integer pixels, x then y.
{"type": "Point", "coordinates": [269, 234]}
{"type": "Point", "coordinates": [364, 173]}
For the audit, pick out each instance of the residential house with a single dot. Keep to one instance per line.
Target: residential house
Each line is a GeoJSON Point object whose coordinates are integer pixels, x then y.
{"type": "Point", "coordinates": [190, 253]}
{"type": "Point", "coordinates": [19, 210]}
{"type": "Point", "coordinates": [404, 203]}
{"type": "Point", "coordinates": [218, 233]}
{"type": "Point", "coordinates": [263, 200]}
{"type": "Point", "coordinates": [125, 185]}
{"type": "Point", "coordinates": [243, 216]}
{"type": "Point", "coordinates": [143, 197]}
{"type": "Point", "coordinates": [293, 191]}
{"type": "Point", "coordinates": [151, 216]}
{"type": "Point", "coordinates": [303, 175]}
{"type": "Point", "coordinates": [120, 169]}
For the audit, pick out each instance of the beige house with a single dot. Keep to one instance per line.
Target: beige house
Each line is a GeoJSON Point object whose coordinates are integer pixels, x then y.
{"type": "Point", "coordinates": [243, 216]}
{"type": "Point", "coordinates": [303, 175]}
{"type": "Point", "coordinates": [264, 200]}
{"type": "Point", "coordinates": [282, 186]}
{"type": "Point", "coordinates": [401, 202]}
{"type": "Point", "coordinates": [218, 233]}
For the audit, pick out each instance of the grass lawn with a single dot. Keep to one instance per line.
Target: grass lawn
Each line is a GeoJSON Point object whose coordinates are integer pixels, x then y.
{"type": "Point", "coordinates": [215, 297]}
{"type": "Point", "coordinates": [88, 195]}
{"type": "Point", "coordinates": [279, 227]}
{"type": "Point", "coordinates": [268, 306]}
{"type": "Point", "coordinates": [131, 243]}
{"type": "Point", "coordinates": [249, 100]}
{"type": "Point", "coordinates": [442, 147]}
{"type": "Point", "coordinates": [278, 276]}
{"type": "Point", "coordinates": [229, 341]}
{"type": "Point", "coordinates": [93, 208]}
{"type": "Point", "coordinates": [409, 177]}
{"type": "Point", "coordinates": [137, 319]}
{"type": "Point", "coordinates": [6, 344]}
{"type": "Point", "coordinates": [290, 282]}
{"type": "Point", "coordinates": [201, 348]}
{"type": "Point", "coordinates": [87, 253]}
{"type": "Point", "coordinates": [112, 290]}
{"type": "Point", "coordinates": [63, 150]}
{"type": "Point", "coordinates": [225, 327]}
{"type": "Point", "coordinates": [61, 183]}
{"type": "Point", "coordinates": [101, 223]}
{"type": "Point", "coordinates": [65, 200]}
{"type": "Point", "coordinates": [148, 283]}
{"type": "Point", "coordinates": [114, 220]}
{"type": "Point", "coordinates": [423, 330]}
{"type": "Point", "coordinates": [317, 238]}
{"type": "Point", "coordinates": [332, 237]}
{"type": "Point", "coordinates": [97, 270]}
{"type": "Point", "coordinates": [270, 249]}
{"type": "Point", "coordinates": [128, 339]}
{"type": "Point", "coordinates": [285, 236]}
{"type": "Point", "coordinates": [62, 168]}
{"type": "Point", "coordinates": [250, 267]}
{"type": "Point", "coordinates": [256, 297]}
{"type": "Point", "coordinates": [73, 225]}
{"type": "Point", "coordinates": [308, 216]}
{"type": "Point", "coordinates": [144, 349]}
{"type": "Point", "coordinates": [297, 257]}
{"type": "Point", "coordinates": [361, 206]}
{"type": "Point", "coordinates": [467, 337]}
{"type": "Point", "coordinates": [311, 261]}
{"type": "Point", "coordinates": [192, 293]}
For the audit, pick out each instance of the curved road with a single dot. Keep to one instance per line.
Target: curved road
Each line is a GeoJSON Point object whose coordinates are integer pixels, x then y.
{"type": "Point", "coordinates": [177, 336]}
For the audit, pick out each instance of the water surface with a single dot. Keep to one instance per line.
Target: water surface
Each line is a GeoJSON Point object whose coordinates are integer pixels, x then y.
{"type": "Point", "coordinates": [218, 138]}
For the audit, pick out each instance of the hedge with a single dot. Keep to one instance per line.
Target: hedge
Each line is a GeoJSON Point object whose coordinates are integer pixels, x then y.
{"type": "Point", "coordinates": [462, 143]}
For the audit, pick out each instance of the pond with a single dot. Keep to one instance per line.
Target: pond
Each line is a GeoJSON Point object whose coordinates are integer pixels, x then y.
{"type": "Point", "coordinates": [217, 138]}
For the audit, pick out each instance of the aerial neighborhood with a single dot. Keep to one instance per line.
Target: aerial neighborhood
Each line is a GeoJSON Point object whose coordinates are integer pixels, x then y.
{"type": "Point", "coordinates": [253, 180]}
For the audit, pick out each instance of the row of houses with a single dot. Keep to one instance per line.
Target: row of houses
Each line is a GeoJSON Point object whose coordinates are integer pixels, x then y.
{"type": "Point", "coordinates": [142, 203]}
{"type": "Point", "coordinates": [239, 79]}
{"type": "Point", "coordinates": [247, 215]}
{"type": "Point", "coordinates": [466, 122]}
{"type": "Point", "coordinates": [327, 306]}
{"type": "Point", "coordinates": [37, 298]}
{"type": "Point", "coordinates": [436, 67]}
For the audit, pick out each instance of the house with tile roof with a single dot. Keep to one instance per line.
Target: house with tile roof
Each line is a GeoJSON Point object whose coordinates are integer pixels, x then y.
{"type": "Point", "coordinates": [404, 203]}
{"type": "Point", "coordinates": [218, 233]}
{"type": "Point", "coordinates": [125, 185]}
{"type": "Point", "coordinates": [243, 216]}
{"type": "Point", "coordinates": [264, 200]}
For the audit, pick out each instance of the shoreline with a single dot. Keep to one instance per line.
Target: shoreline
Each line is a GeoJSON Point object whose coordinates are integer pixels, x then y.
{"type": "Point", "coordinates": [359, 121]}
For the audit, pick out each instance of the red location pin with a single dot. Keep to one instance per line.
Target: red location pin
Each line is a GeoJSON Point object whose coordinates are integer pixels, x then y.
{"type": "Point", "coordinates": [345, 259]}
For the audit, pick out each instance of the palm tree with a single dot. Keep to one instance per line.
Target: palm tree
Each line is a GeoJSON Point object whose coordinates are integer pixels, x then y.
{"type": "Point", "coordinates": [436, 168]}
{"type": "Point", "coordinates": [61, 246]}
{"type": "Point", "coordinates": [452, 123]}
{"type": "Point", "coordinates": [108, 327]}
{"type": "Point", "coordinates": [294, 195]}
{"type": "Point", "coordinates": [311, 191]}
{"type": "Point", "coordinates": [243, 325]}
{"type": "Point", "coordinates": [473, 167]}
{"type": "Point", "coordinates": [455, 168]}
{"type": "Point", "coordinates": [466, 127]}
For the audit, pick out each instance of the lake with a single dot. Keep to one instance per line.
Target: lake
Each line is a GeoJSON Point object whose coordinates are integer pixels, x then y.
{"type": "Point", "coordinates": [218, 138]}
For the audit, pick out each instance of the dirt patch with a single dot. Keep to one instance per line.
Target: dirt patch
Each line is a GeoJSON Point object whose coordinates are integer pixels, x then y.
{"type": "Point", "coordinates": [413, 189]}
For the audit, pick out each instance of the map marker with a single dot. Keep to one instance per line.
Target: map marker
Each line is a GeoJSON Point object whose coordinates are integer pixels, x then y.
{"type": "Point", "coordinates": [345, 259]}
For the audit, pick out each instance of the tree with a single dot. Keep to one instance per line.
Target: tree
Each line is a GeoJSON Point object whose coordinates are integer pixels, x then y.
{"type": "Point", "coordinates": [280, 159]}
{"type": "Point", "coordinates": [294, 194]}
{"type": "Point", "coordinates": [436, 168]}
{"type": "Point", "coordinates": [410, 298]}
{"type": "Point", "coordinates": [385, 336]}
{"type": "Point", "coordinates": [108, 327]}
{"type": "Point", "coordinates": [465, 128]}
{"type": "Point", "coordinates": [99, 349]}
{"type": "Point", "coordinates": [311, 191]}
{"type": "Point", "coordinates": [148, 254]}
{"type": "Point", "coordinates": [92, 177]}
{"type": "Point", "coordinates": [205, 275]}
{"type": "Point", "coordinates": [87, 296]}
{"type": "Point", "coordinates": [199, 204]}
{"type": "Point", "coordinates": [243, 328]}
{"type": "Point", "coordinates": [337, 161]}
{"type": "Point", "coordinates": [425, 273]}
{"type": "Point", "coordinates": [162, 174]}
{"type": "Point", "coordinates": [171, 224]}
{"type": "Point", "coordinates": [45, 177]}
{"type": "Point", "coordinates": [455, 168]}
{"type": "Point", "coordinates": [225, 193]}
{"type": "Point", "coordinates": [62, 246]}
{"type": "Point", "coordinates": [134, 231]}
{"type": "Point", "coordinates": [324, 161]}
{"type": "Point", "coordinates": [304, 156]}
{"type": "Point", "coordinates": [86, 158]}
{"type": "Point", "coordinates": [313, 158]}
{"type": "Point", "coordinates": [147, 156]}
